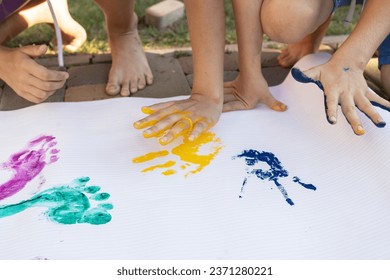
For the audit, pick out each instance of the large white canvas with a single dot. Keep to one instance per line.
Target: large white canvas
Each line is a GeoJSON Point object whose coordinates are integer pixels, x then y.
{"type": "Point", "coordinates": [201, 216]}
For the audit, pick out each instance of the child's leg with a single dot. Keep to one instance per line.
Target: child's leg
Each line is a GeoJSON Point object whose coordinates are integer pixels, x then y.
{"type": "Point", "coordinates": [385, 76]}
{"type": "Point", "coordinates": [309, 44]}
{"type": "Point", "coordinates": [284, 21]}
{"type": "Point", "coordinates": [38, 12]}
{"type": "Point", "coordinates": [130, 71]}
{"type": "Point", "coordinates": [384, 63]}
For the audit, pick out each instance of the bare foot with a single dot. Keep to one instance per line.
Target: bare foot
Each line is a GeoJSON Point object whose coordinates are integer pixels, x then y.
{"type": "Point", "coordinates": [130, 70]}
{"type": "Point", "coordinates": [295, 52]}
{"type": "Point", "coordinates": [73, 34]}
{"type": "Point", "coordinates": [309, 44]}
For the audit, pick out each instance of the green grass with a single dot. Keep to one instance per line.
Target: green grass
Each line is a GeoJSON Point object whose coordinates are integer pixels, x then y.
{"type": "Point", "coordinates": [92, 19]}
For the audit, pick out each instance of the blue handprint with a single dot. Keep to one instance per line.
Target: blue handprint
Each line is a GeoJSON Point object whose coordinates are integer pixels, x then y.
{"type": "Point", "coordinates": [274, 173]}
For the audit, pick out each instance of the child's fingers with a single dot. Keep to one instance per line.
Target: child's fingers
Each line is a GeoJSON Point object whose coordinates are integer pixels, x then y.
{"type": "Point", "coordinates": [182, 126]}
{"type": "Point", "coordinates": [349, 110]}
{"type": "Point", "coordinates": [35, 95]}
{"type": "Point", "coordinates": [313, 73]}
{"type": "Point", "coordinates": [157, 107]}
{"type": "Point", "coordinates": [332, 105]}
{"type": "Point", "coordinates": [45, 74]}
{"type": "Point", "coordinates": [155, 117]}
{"type": "Point", "coordinates": [162, 125]}
{"type": "Point", "coordinates": [45, 86]}
{"type": "Point", "coordinates": [366, 107]}
{"type": "Point", "coordinates": [199, 128]}
{"type": "Point", "coordinates": [274, 104]}
{"type": "Point", "coordinates": [30, 97]}
{"type": "Point", "coordinates": [34, 51]}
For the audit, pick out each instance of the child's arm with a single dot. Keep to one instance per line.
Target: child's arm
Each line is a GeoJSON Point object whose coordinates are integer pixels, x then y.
{"type": "Point", "coordinates": [206, 20]}
{"type": "Point", "coordinates": [250, 88]}
{"type": "Point", "coordinates": [342, 77]}
{"type": "Point", "coordinates": [27, 78]}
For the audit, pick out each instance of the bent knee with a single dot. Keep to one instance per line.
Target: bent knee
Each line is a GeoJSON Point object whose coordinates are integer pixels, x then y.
{"type": "Point", "coordinates": [289, 21]}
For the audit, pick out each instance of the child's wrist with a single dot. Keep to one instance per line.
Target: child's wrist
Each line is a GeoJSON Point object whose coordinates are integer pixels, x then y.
{"type": "Point", "coordinates": [355, 63]}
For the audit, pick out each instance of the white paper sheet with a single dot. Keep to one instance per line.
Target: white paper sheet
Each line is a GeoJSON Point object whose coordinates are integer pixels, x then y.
{"type": "Point", "coordinates": [199, 216]}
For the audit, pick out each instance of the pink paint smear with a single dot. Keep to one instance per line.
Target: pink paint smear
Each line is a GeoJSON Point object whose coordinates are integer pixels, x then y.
{"type": "Point", "coordinates": [28, 164]}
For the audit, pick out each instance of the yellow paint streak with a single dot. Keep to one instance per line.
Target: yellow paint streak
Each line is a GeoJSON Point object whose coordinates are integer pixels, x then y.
{"type": "Point", "coordinates": [147, 110]}
{"type": "Point", "coordinates": [189, 151]}
{"type": "Point", "coordinates": [169, 172]}
{"type": "Point", "coordinates": [164, 165]}
{"type": "Point", "coordinates": [150, 156]}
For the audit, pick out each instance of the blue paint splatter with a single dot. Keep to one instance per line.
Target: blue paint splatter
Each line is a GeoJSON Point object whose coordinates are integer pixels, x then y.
{"type": "Point", "coordinates": [275, 172]}
{"type": "Point", "coordinates": [307, 186]}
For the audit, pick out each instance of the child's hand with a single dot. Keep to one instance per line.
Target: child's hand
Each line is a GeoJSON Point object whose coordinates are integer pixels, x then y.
{"type": "Point", "coordinates": [27, 78]}
{"type": "Point", "coordinates": [346, 86]}
{"type": "Point", "coordinates": [169, 120]}
{"type": "Point", "coordinates": [246, 93]}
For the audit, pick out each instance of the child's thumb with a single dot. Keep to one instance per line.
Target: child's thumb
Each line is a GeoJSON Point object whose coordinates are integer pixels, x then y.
{"type": "Point", "coordinates": [312, 75]}
{"type": "Point", "coordinates": [34, 51]}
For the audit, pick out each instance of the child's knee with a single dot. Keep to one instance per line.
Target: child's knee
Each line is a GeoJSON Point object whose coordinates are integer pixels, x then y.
{"type": "Point", "coordinates": [290, 21]}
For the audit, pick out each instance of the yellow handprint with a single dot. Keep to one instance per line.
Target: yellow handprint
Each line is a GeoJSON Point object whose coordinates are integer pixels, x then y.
{"type": "Point", "coordinates": [193, 155]}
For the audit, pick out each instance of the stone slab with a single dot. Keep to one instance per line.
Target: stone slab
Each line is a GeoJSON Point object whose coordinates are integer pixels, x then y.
{"type": "Point", "coordinates": [164, 13]}
{"type": "Point", "coordinates": [102, 58]}
{"type": "Point", "coordinates": [87, 93]}
{"type": "Point", "coordinates": [169, 79]}
{"type": "Point", "coordinates": [79, 59]}
{"type": "Point", "coordinates": [231, 61]}
{"type": "Point", "coordinates": [269, 58]}
{"type": "Point", "coordinates": [92, 74]}
{"type": "Point", "coordinates": [69, 60]}
{"type": "Point", "coordinates": [186, 64]}
{"type": "Point", "coordinates": [9, 100]}
{"type": "Point", "coordinates": [275, 75]}
{"type": "Point", "coordinates": [51, 61]}
{"type": "Point", "coordinates": [227, 77]}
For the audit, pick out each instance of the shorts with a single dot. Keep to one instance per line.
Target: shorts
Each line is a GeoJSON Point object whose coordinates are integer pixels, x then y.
{"type": "Point", "coordinates": [340, 3]}
{"type": "Point", "coordinates": [384, 52]}
{"type": "Point", "coordinates": [8, 7]}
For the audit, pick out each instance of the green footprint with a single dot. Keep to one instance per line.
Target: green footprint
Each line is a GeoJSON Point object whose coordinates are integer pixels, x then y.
{"type": "Point", "coordinates": [67, 204]}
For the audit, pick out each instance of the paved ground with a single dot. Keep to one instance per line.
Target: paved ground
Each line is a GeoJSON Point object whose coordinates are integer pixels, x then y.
{"type": "Point", "coordinates": [172, 69]}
